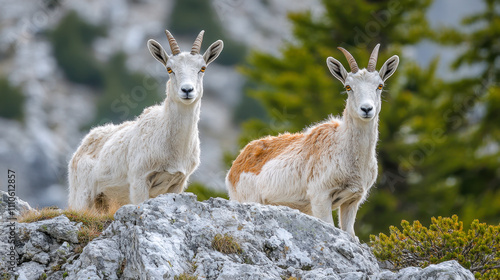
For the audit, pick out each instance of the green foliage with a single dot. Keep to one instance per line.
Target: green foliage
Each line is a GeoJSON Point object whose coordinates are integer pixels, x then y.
{"type": "Point", "coordinates": [472, 118]}
{"type": "Point", "coordinates": [71, 41]}
{"type": "Point", "coordinates": [124, 94]}
{"type": "Point", "coordinates": [226, 244]}
{"type": "Point", "coordinates": [204, 192]}
{"type": "Point", "coordinates": [437, 152]}
{"type": "Point", "coordinates": [189, 17]}
{"type": "Point", "coordinates": [477, 249]}
{"type": "Point", "coordinates": [481, 33]}
{"type": "Point", "coordinates": [248, 108]}
{"type": "Point", "coordinates": [11, 101]}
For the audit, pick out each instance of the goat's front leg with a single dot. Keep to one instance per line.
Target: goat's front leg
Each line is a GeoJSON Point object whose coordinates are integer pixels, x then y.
{"type": "Point", "coordinates": [347, 214]}
{"type": "Point", "coordinates": [321, 207]}
{"type": "Point", "coordinates": [139, 190]}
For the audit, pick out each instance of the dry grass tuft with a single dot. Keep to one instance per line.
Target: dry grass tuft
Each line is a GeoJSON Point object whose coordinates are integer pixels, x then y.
{"type": "Point", "coordinates": [226, 244]}
{"type": "Point", "coordinates": [185, 276]}
{"type": "Point", "coordinates": [94, 222]}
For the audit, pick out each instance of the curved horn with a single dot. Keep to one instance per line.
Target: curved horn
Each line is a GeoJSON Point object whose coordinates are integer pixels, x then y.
{"type": "Point", "coordinates": [372, 63]}
{"type": "Point", "coordinates": [197, 43]}
{"type": "Point", "coordinates": [350, 59]}
{"type": "Point", "coordinates": [173, 43]}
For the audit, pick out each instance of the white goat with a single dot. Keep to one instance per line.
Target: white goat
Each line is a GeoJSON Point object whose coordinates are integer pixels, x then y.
{"type": "Point", "coordinates": [330, 165]}
{"type": "Point", "coordinates": [154, 154]}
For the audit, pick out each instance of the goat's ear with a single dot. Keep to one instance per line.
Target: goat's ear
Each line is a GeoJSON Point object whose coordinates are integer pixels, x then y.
{"type": "Point", "coordinates": [213, 51]}
{"type": "Point", "coordinates": [389, 67]}
{"type": "Point", "coordinates": [336, 68]}
{"type": "Point", "coordinates": [157, 51]}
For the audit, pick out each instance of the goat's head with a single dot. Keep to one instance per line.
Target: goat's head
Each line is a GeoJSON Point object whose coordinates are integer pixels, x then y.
{"type": "Point", "coordinates": [186, 69]}
{"type": "Point", "coordinates": [364, 87]}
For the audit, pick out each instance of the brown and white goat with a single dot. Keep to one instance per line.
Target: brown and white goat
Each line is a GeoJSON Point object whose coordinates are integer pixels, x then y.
{"type": "Point", "coordinates": [330, 165]}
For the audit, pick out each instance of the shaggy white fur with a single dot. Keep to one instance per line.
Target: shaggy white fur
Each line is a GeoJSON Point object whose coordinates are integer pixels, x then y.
{"type": "Point", "coordinates": [154, 154]}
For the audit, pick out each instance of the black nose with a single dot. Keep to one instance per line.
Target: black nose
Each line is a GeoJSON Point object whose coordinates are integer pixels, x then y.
{"type": "Point", "coordinates": [366, 109]}
{"type": "Point", "coordinates": [187, 89]}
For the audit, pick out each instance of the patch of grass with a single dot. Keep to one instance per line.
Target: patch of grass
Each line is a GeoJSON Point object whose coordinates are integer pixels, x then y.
{"type": "Point", "coordinates": [5, 276]}
{"type": "Point", "coordinates": [287, 276]}
{"type": "Point", "coordinates": [56, 267]}
{"type": "Point", "coordinates": [306, 267]}
{"type": "Point", "coordinates": [93, 221]}
{"type": "Point", "coordinates": [78, 249]}
{"type": "Point", "coordinates": [39, 215]}
{"type": "Point", "coordinates": [185, 276]}
{"type": "Point", "coordinates": [226, 244]}
{"type": "Point", "coordinates": [65, 274]}
{"type": "Point", "coordinates": [43, 276]}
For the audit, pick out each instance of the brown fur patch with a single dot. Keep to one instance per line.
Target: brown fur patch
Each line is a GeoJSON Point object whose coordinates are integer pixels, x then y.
{"type": "Point", "coordinates": [315, 142]}
{"type": "Point", "coordinates": [258, 152]}
{"type": "Point", "coordinates": [255, 155]}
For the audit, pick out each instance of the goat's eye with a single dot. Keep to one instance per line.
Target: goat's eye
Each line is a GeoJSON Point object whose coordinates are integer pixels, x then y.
{"type": "Point", "coordinates": [203, 69]}
{"type": "Point", "coordinates": [380, 86]}
{"type": "Point", "coordinates": [169, 70]}
{"type": "Point", "coordinates": [348, 88]}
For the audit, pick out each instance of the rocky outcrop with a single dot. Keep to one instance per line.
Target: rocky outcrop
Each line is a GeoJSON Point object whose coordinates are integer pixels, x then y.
{"type": "Point", "coordinates": [41, 248]}
{"type": "Point", "coordinates": [11, 207]}
{"type": "Point", "coordinates": [173, 235]}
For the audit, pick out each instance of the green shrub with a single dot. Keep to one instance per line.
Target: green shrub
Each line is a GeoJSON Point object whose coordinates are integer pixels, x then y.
{"type": "Point", "coordinates": [189, 17]}
{"type": "Point", "coordinates": [72, 40]}
{"type": "Point", "coordinates": [476, 249]}
{"type": "Point", "coordinates": [204, 192]}
{"type": "Point", "coordinates": [124, 96]}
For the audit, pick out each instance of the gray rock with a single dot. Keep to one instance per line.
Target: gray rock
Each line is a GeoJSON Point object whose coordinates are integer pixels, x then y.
{"type": "Point", "coordinates": [11, 207]}
{"type": "Point", "coordinates": [446, 270]}
{"type": "Point", "coordinates": [172, 235]}
{"type": "Point", "coordinates": [30, 271]}
{"type": "Point", "coordinates": [60, 228]}
{"type": "Point", "coordinates": [42, 247]}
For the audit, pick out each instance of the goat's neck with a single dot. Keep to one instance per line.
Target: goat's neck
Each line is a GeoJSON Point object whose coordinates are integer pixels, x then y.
{"type": "Point", "coordinates": [359, 137]}
{"type": "Point", "coordinates": [181, 121]}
